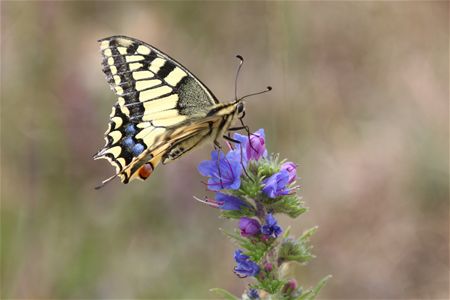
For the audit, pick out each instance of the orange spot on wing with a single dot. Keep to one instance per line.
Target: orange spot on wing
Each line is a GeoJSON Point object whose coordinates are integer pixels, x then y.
{"type": "Point", "coordinates": [145, 171]}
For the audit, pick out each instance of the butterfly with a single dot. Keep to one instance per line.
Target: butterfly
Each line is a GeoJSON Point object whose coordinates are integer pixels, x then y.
{"type": "Point", "coordinates": [162, 112]}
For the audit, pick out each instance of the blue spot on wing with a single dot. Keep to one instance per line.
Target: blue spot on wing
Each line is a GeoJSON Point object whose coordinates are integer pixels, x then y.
{"type": "Point", "coordinates": [130, 129]}
{"type": "Point", "coordinates": [128, 142]}
{"type": "Point", "coordinates": [137, 149]}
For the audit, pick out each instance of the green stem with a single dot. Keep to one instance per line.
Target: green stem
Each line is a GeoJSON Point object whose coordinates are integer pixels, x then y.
{"type": "Point", "coordinates": [260, 211]}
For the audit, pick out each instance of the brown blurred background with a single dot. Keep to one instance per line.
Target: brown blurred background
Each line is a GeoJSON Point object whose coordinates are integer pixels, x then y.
{"type": "Point", "coordinates": [360, 102]}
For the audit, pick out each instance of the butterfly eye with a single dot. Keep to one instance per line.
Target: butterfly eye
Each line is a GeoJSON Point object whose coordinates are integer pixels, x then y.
{"type": "Point", "coordinates": [240, 107]}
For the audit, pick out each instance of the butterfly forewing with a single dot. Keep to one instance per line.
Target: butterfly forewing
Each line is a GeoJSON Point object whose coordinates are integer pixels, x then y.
{"type": "Point", "coordinates": [139, 74]}
{"type": "Point", "coordinates": [162, 110]}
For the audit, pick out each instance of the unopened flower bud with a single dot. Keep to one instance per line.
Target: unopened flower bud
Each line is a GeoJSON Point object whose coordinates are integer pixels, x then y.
{"type": "Point", "coordinates": [290, 287]}
{"type": "Point", "coordinates": [268, 267]}
{"type": "Point", "coordinates": [249, 227]}
{"type": "Point", "coordinates": [291, 168]}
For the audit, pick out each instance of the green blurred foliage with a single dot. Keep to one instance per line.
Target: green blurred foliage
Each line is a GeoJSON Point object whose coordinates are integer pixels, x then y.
{"type": "Point", "coordinates": [360, 101]}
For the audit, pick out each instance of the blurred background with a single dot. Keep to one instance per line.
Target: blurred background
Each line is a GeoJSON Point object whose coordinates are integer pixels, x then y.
{"type": "Point", "coordinates": [360, 102]}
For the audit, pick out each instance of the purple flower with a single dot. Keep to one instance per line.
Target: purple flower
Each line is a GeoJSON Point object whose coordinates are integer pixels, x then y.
{"type": "Point", "coordinates": [249, 227]}
{"type": "Point", "coordinates": [291, 168]}
{"type": "Point", "coordinates": [228, 202]}
{"type": "Point", "coordinates": [224, 171]}
{"type": "Point", "coordinates": [275, 185]}
{"type": "Point", "coordinates": [253, 149]}
{"type": "Point", "coordinates": [271, 227]}
{"type": "Point", "coordinates": [245, 267]}
{"type": "Point", "coordinates": [253, 294]}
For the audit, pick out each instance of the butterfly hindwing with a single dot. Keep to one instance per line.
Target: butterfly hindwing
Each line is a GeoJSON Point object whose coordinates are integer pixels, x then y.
{"type": "Point", "coordinates": [171, 145]}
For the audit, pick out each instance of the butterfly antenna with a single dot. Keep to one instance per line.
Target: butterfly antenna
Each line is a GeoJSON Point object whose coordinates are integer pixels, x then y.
{"type": "Point", "coordinates": [241, 62]}
{"type": "Point", "coordinates": [268, 89]}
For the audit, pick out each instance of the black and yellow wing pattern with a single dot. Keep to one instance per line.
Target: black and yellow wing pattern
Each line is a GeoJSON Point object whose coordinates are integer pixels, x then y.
{"type": "Point", "coordinates": [162, 110]}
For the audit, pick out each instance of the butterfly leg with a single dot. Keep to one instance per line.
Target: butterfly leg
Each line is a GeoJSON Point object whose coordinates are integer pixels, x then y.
{"type": "Point", "coordinates": [238, 128]}
{"type": "Point", "coordinates": [228, 138]}
{"type": "Point", "coordinates": [247, 129]}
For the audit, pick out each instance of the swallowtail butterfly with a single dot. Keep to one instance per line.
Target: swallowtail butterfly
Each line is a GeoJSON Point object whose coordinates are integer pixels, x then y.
{"type": "Point", "coordinates": [162, 112]}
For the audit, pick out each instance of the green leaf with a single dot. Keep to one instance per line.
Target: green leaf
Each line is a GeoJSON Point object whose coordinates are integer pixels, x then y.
{"type": "Point", "coordinates": [250, 186]}
{"type": "Point", "coordinates": [290, 205]}
{"type": "Point", "coordinates": [297, 250]}
{"type": "Point", "coordinates": [312, 293]}
{"type": "Point", "coordinates": [268, 167]}
{"type": "Point", "coordinates": [256, 250]}
{"type": "Point", "coordinates": [307, 234]}
{"type": "Point", "coordinates": [270, 285]}
{"type": "Point", "coordinates": [237, 214]}
{"type": "Point", "coordinates": [235, 236]}
{"type": "Point", "coordinates": [224, 293]}
{"type": "Point", "coordinates": [286, 232]}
